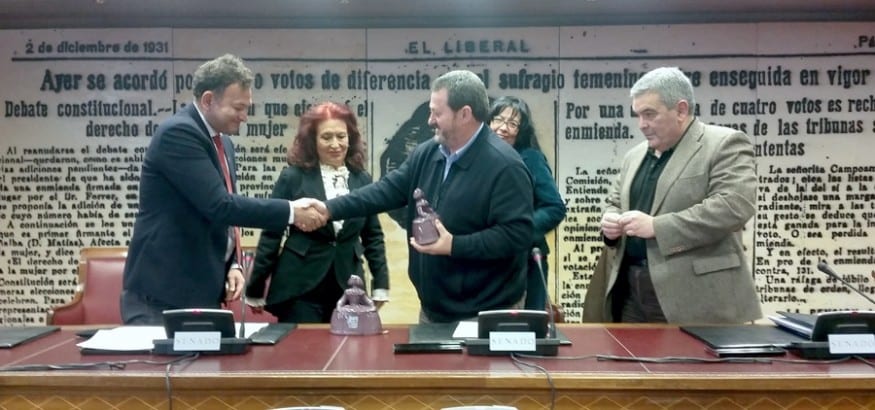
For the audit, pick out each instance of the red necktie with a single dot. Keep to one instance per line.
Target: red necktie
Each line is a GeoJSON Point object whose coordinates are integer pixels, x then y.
{"type": "Point", "coordinates": [217, 139]}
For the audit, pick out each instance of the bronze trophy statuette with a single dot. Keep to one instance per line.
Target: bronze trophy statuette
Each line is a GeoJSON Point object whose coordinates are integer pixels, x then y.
{"type": "Point", "coordinates": [424, 230]}
{"type": "Point", "coordinates": [355, 313]}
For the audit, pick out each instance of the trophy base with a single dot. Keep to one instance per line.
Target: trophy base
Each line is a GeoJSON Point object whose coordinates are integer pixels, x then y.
{"type": "Point", "coordinates": [425, 233]}
{"type": "Point", "coordinates": [352, 323]}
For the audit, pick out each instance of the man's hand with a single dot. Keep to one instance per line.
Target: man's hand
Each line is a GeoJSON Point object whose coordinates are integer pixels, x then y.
{"type": "Point", "coordinates": [320, 206]}
{"type": "Point", "coordinates": [310, 214]}
{"type": "Point", "coordinates": [637, 223]}
{"type": "Point", "coordinates": [234, 283]}
{"type": "Point", "coordinates": [443, 246]}
{"type": "Point", "coordinates": [611, 227]}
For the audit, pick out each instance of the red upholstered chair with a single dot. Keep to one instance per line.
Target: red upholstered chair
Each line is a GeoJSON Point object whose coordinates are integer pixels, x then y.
{"type": "Point", "coordinates": [96, 301]}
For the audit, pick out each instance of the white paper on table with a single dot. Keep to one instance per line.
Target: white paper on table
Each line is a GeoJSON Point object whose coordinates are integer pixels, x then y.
{"type": "Point", "coordinates": [467, 329]}
{"type": "Point", "coordinates": [251, 328]}
{"type": "Point", "coordinates": [140, 338]}
{"type": "Point", "coordinates": [124, 338]}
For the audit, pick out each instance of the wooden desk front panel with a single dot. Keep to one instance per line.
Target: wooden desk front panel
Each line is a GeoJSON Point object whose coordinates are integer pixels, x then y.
{"type": "Point", "coordinates": [312, 366]}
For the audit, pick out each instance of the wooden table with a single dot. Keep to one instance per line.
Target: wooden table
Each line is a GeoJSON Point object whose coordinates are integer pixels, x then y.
{"type": "Point", "coordinates": [312, 366]}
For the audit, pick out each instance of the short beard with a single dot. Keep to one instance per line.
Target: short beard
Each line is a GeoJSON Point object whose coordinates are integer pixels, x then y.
{"type": "Point", "coordinates": [439, 138]}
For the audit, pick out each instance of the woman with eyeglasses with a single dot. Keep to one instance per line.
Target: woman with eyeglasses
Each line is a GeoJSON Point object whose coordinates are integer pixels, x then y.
{"type": "Point", "coordinates": [512, 121]}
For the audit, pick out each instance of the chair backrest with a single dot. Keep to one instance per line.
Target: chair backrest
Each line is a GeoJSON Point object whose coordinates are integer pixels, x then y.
{"type": "Point", "coordinates": [103, 284]}
{"type": "Point", "coordinates": [96, 300]}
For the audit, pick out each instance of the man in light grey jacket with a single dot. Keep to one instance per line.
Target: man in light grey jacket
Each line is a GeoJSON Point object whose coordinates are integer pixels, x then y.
{"type": "Point", "coordinates": [676, 212]}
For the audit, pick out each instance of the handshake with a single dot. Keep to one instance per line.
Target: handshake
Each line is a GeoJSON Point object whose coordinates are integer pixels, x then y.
{"type": "Point", "coordinates": [310, 214]}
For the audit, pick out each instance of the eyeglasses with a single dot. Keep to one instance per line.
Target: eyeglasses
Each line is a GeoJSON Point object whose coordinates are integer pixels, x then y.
{"type": "Point", "coordinates": [511, 125]}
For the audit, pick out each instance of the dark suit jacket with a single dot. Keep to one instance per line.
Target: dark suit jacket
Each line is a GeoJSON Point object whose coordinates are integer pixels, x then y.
{"type": "Point", "coordinates": [297, 265]}
{"type": "Point", "coordinates": [177, 252]}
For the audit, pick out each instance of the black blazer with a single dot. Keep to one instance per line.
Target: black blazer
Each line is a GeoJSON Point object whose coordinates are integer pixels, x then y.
{"type": "Point", "coordinates": [302, 261]}
{"type": "Point", "coordinates": [177, 252]}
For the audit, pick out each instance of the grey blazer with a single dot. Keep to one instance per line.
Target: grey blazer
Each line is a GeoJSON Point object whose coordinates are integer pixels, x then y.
{"type": "Point", "coordinates": [703, 198]}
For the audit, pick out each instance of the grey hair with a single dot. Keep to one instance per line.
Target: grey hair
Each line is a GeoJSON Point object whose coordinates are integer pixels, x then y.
{"type": "Point", "coordinates": [670, 83]}
{"type": "Point", "coordinates": [464, 88]}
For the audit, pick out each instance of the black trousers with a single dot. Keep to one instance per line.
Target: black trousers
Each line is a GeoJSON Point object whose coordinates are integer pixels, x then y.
{"type": "Point", "coordinates": [314, 306]}
{"type": "Point", "coordinates": [633, 297]}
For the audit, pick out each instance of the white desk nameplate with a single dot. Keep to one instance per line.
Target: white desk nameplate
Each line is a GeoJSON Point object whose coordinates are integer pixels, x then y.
{"type": "Point", "coordinates": [197, 341]}
{"type": "Point", "coordinates": [851, 343]}
{"type": "Point", "coordinates": [512, 341]}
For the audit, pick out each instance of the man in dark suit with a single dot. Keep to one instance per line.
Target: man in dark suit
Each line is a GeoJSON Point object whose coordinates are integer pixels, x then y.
{"type": "Point", "coordinates": [182, 253]}
{"type": "Point", "coordinates": [482, 192]}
